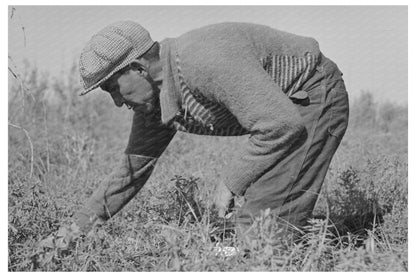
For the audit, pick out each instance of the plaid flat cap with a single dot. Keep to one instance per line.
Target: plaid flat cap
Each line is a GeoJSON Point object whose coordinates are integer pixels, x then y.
{"type": "Point", "coordinates": [110, 50]}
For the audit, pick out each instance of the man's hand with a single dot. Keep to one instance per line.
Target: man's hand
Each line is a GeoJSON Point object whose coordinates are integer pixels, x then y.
{"type": "Point", "coordinates": [62, 238]}
{"type": "Point", "coordinates": [224, 199]}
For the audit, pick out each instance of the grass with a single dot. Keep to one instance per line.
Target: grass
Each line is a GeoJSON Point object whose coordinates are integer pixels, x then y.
{"type": "Point", "coordinates": [62, 146]}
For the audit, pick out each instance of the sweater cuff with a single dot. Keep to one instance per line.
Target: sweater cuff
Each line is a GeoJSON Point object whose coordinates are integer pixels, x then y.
{"type": "Point", "coordinates": [239, 184]}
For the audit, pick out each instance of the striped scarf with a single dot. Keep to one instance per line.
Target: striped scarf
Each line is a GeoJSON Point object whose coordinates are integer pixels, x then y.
{"type": "Point", "coordinates": [289, 72]}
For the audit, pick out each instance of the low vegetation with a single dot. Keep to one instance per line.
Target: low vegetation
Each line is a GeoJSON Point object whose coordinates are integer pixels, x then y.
{"type": "Point", "coordinates": [62, 146]}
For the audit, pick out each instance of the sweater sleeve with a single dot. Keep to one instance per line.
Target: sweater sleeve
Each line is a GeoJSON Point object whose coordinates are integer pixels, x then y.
{"type": "Point", "coordinates": [261, 107]}
{"type": "Point", "coordinates": [148, 139]}
{"type": "Point", "coordinates": [148, 136]}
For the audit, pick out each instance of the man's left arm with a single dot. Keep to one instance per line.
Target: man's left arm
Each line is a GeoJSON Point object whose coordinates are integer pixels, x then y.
{"type": "Point", "coordinates": [261, 107]}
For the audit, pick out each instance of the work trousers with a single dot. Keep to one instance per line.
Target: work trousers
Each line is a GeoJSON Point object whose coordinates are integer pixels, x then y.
{"type": "Point", "coordinates": [290, 188]}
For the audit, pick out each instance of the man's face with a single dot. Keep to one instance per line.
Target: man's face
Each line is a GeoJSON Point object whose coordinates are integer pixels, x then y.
{"type": "Point", "coordinates": [132, 89]}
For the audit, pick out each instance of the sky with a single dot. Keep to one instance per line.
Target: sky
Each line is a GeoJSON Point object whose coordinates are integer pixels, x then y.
{"type": "Point", "coordinates": [369, 43]}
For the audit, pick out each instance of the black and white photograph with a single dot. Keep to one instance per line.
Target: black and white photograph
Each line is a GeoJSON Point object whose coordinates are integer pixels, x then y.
{"type": "Point", "coordinates": [212, 138]}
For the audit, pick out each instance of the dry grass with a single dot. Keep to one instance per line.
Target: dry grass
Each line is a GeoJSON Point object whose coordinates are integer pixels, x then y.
{"type": "Point", "coordinates": [64, 145]}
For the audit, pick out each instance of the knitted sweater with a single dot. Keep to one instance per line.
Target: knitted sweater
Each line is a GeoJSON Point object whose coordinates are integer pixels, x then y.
{"type": "Point", "coordinates": [225, 63]}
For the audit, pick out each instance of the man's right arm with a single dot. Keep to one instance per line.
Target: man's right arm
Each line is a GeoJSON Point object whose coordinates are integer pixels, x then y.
{"type": "Point", "coordinates": [148, 139]}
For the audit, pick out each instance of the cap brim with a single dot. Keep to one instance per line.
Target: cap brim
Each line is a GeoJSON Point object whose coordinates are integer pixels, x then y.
{"type": "Point", "coordinates": [84, 92]}
{"type": "Point", "coordinates": [96, 85]}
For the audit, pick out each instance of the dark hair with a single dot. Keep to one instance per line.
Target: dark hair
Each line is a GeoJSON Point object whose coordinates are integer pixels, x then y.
{"type": "Point", "coordinates": [152, 53]}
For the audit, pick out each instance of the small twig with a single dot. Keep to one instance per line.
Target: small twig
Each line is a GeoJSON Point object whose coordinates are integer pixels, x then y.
{"type": "Point", "coordinates": [187, 202]}
{"type": "Point", "coordinates": [21, 25]}
{"type": "Point", "coordinates": [30, 143]}
{"type": "Point", "coordinates": [180, 231]}
{"type": "Point", "coordinates": [17, 76]}
{"type": "Point", "coordinates": [47, 137]}
{"type": "Point", "coordinates": [11, 71]}
{"type": "Point", "coordinates": [12, 13]}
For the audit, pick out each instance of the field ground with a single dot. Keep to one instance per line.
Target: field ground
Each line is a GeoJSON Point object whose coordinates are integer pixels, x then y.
{"type": "Point", "coordinates": [62, 146]}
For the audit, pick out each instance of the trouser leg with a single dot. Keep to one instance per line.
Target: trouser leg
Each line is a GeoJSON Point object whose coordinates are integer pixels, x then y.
{"type": "Point", "coordinates": [290, 188]}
